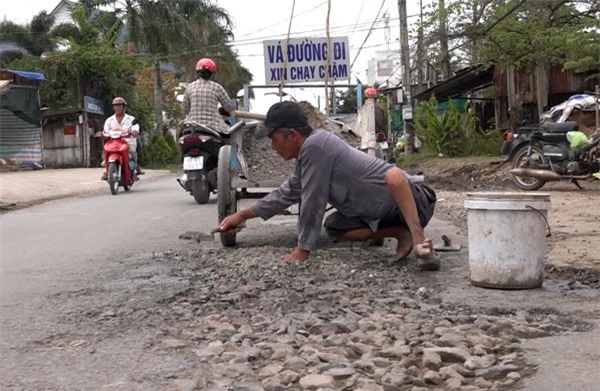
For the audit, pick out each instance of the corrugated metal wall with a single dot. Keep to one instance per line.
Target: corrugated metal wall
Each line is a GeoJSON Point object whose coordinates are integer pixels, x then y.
{"type": "Point", "coordinates": [19, 140]}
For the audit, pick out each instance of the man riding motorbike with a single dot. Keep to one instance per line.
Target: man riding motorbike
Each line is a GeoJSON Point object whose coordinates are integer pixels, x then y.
{"type": "Point", "coordinates": [202, 98]}
{"type": "Point", "coordinates": [121, 120]}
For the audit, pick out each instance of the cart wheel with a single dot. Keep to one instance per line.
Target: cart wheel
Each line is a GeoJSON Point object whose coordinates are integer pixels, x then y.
{"type": "Point", "coordinates": [226, 196]}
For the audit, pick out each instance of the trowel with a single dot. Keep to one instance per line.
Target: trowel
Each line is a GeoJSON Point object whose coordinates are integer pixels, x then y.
{"type": "Point", "coordinates": [446, 245]}
{"type": "Point", "coordinates": [205, 237]}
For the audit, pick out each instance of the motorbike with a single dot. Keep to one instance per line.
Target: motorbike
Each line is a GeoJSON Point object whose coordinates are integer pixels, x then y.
{"type": "Point", "coordinates": [553, 152]}
{"type": "Point", "coordinates": [382, 144]}
{"type": "Point", "coordinates": [121, 170]}
{"type": "Point", "coordinates": [199, 146]}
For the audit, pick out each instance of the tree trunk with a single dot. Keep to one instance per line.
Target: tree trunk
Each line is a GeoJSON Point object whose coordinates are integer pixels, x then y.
{"type": "Point", "coordinates": [474, 21]}
{"type": "Point", "coordinates": [158, 103]}
{"type": "Point", "coordinates": [445, 55]}
{"type": "Point", "coordinates": [420, 51]}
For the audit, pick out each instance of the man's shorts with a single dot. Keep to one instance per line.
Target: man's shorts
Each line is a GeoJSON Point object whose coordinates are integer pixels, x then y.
{"type": "Point", "coordinates": [337, 224]}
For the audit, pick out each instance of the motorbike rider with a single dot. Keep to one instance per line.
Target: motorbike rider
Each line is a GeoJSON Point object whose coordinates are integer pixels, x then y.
{"type": "Point", "coordinates": [122, 120]}
{"type": "Point", "coordinates": [202, 98]}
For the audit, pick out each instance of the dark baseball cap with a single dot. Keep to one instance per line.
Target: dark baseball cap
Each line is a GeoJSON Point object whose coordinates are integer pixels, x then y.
{"type": "Point", "coordinates": [286, 114]}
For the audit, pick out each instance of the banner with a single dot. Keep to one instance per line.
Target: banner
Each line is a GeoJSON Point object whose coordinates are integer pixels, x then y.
{"type": "Point", "coordinates": [93, 105]}
{"type": "Point", "coordinates": [307, 60]}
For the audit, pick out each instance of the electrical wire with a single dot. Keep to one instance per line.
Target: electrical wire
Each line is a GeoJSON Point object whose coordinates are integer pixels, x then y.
{"type": "Point", "coordinates": [285, 20]}
{"type": "Point", "coordinates": [368, 34]}
{"type": "Point", "coordinates": [285, 58]}
{"type": "Point", "coordinates": [358, 17]}
{"type": "Point", "coordinates": [487, 30]}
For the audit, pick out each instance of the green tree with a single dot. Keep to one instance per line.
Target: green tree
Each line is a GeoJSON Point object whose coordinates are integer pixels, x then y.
{"type": "Point", "coordinates": [152, 27]}
{"type": "Point", "coordinates": [89, 29]}
{"type": "Point", "coordinates": [519, 32]}
{"type": "Point", "coordinates": [208, 33]}
{"type": "Point", "coordinates": [96, 69]}
{"type": "Point", "coordinates": [34, 38]}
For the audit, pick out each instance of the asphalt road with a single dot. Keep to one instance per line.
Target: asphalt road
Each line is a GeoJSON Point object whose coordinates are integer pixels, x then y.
{"type": "Point", "coordinates": [52, 255]}
{"type": "Point", "coordinates": [63, 260]}
{"type": "Point", "coordinates": [40, 241]}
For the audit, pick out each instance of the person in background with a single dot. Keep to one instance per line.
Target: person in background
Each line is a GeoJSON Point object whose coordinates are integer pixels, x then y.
{"type": "Point", "coordinates": [121, 120]}
{"type": "Point", "coordinates": [202, 97]}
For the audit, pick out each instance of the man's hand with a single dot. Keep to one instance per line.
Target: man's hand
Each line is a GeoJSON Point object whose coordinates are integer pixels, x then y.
{"type": "Point", "coordinates": [233, 221]}
{"type": "Point", "coordinates": [296, 256]}
{"type": "Point", "coordinates": [424, 250]}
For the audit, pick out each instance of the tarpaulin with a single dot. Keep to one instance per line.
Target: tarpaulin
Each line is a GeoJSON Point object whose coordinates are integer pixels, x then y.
{"type": "Point", "coordinates": [28, 75]}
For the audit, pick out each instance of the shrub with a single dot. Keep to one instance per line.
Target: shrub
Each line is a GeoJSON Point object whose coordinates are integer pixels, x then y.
{"type": "Point", "coordinates": [452, 132]}
{"type": "Point", "coordinates": [162, 150]}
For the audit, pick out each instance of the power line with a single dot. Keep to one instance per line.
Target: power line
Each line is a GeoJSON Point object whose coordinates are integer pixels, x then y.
{"type": "Point", "coordinates": [368, 34]}
{"type": "Point", "coordinates": [487, 30]}
{"type": "Point", "coordinates": [358, 17]}
{"type": "Point", "coordinates": [343, 26]}
{"type": "Point", "coordinates": [285, 59]}
{"type": "Point", "coordinates": [378, 45]}
{"type": "Point", "coordinates": [490, 27]}
{"type": "Point", "coordinates": [296, 35]}
{"type": "Point", "coordinates": [285, 20]}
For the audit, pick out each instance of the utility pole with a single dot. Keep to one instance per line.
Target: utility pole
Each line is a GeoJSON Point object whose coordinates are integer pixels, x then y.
{"type": "Point", "coordinates": [474, 21]}
{"type": "Point", "coordinates": [406, 84]}
{"type": "Point", "coordinates": [387, 34]}
{"type": "Point", "coordinates": [420, 50]}
{"type": "Point", "coordinates": [444, 40]}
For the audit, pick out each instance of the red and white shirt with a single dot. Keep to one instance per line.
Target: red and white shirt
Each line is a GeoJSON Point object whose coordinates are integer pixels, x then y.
{"type": "Point", "coordinates": [126, 123]}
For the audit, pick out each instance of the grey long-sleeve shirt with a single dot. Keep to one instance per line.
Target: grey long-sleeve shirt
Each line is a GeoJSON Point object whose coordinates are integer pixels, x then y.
{"type": "Point", "coordinates": [330, 171]}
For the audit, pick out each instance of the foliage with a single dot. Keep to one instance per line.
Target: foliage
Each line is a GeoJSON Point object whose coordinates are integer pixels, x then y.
{"type": "Point", "coordinates": [346, 101]}
{"type": "Point", "coordinates": [145, 89]}
{"type": "Point", "coordinates": [452, 132]}
{"type": "Point", "coordinates": [161, 151]}
{"type": "Point", "coordinates": [33, 38]}
{"type": "Point", "coordinates": [103, 28]}
{"type": "Point", "coordinates": [207, 34]}
{"type": "Point", "coordinates": [179, 31]}
{"type": "Point", "coordinates": [100, 69]}
{"type": "Point", "coordinates": [518, 32]}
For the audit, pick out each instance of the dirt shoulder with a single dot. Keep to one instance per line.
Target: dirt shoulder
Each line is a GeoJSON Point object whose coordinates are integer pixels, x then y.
{"type": "Point", "coordinates": [19, 189]}
{"type": "Point", "coordinates": [573, 217]}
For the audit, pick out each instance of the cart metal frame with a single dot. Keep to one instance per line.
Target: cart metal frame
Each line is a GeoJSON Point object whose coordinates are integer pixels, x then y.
{"type": "Point", "coordinates": [232, 179]}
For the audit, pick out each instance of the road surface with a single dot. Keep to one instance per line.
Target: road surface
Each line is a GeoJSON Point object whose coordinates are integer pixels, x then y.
{"type": "Point", "coordinates": [56, 254]}
{"type": "Point", "coordinates": [85, 304]}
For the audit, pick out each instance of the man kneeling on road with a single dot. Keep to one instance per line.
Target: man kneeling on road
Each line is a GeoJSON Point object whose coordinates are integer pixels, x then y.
{"type": "Point", "coordinates": [373, 198]}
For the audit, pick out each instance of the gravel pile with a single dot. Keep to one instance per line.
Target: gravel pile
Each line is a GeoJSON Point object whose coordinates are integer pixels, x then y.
{"type": "Point", "coordinates": [347, 320]}
{"type": "Point", "coordinates": [265, 166]}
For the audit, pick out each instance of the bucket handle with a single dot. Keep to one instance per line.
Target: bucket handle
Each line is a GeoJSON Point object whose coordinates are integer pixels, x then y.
{"type": "Point", "coordinates": [544, 217]}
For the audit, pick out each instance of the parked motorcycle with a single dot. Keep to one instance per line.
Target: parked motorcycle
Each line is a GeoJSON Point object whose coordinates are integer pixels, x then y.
{"type": "Point", "coordinates": [555, 151]}
{"type": "Point", "coordinates": [199, 146]}
{"type": "Point", "coordinates": [382, 144]}
{"type": "Point", "coordinates": [121, 170]}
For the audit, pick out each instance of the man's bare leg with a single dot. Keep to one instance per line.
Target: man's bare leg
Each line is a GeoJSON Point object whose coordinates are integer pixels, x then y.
{"type": "Point", "coordinates": [401, 234]}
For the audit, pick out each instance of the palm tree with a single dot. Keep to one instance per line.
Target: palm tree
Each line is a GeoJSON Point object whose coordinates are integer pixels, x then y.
{"type": "Point", "coordinates": [182, 31]}
{"type": "Point", "coordinates": [32, 39]}
{"type": "Point", "coordinates": [208, 35]}
{"type": "Point", "coordinates": [151, 27]}
{"type": "Point", "coordinates": [89, 28]}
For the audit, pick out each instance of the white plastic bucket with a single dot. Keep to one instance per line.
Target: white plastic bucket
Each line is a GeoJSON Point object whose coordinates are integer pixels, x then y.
{"type": "Point", "coordinates": [507, 239]}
